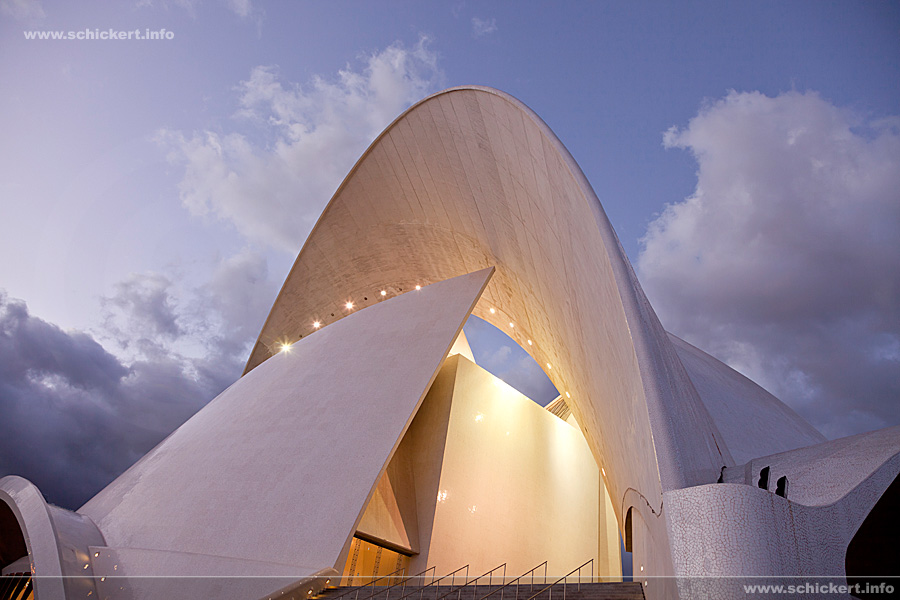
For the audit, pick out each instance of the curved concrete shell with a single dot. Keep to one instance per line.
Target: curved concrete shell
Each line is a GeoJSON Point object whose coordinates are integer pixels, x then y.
{"type": "Point", "coordinates": [468, 204]}
{"type": "Point", "coordinates": [471, 178]}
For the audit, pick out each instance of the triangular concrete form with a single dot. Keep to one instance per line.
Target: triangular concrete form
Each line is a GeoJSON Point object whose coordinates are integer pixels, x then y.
{"type": "Point", "coordinates": [278, 467]}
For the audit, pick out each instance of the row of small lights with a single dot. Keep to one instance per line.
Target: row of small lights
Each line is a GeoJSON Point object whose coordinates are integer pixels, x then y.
{"type": "Point", "coordinates": [493, 311]}
{"type": "Point", "coordinates": [286, 346]}
{"type": "Point", "coordinates": [512, 325]}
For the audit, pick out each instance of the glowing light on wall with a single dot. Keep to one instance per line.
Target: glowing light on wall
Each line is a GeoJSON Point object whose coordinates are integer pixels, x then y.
{"type": "Point", "coordinates": [418, 287]}
{"type": "Point", "coordinates": [383, 293]}
{"type": "Point", "coordinates": [349, 306]}
{"type": "Point", "coordinates": [316, 324]}
{"type": "Point", "coordinates": [493, 311]}
{"type": "Point", "coordinates": [285, 347]}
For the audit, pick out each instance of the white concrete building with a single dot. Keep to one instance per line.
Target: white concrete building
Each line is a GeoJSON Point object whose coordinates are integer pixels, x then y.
{"type": "Point", "coordinates": [362, 437]}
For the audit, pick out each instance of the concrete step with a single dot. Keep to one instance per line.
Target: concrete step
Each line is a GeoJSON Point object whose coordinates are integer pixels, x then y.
{"type": "Point", "coordinates": [588, 591]}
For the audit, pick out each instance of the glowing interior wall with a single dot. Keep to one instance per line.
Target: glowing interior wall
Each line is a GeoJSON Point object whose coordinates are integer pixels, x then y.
{"type": "Point", "coordinates": [496, 478]}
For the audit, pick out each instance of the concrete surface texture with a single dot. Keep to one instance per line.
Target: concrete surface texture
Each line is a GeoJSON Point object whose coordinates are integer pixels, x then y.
{"type": "Point", "coordinates": [469, 204]}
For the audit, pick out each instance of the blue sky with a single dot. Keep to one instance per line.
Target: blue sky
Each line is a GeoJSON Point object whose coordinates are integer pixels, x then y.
{"type": "Point", "coordinates": [155, 192]}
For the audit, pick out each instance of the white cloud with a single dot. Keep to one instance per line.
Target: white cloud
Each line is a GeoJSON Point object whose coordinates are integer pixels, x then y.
{"type": "Point", "coordinates": [273, 192]}
{"type": "Point", "coordinates": [482, 27]}
{"type": "Point", "coordinates": [151, 315]}
{"type": "Point", "coordinates": [242, 8]}
{"type": "Point", "coordinates": [22, 9]}
{"type": "Point", "coordinates": [786, 259]}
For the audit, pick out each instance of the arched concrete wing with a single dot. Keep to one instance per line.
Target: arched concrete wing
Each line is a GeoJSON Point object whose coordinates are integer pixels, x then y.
{"type": "Point", "coordinates": [278, 468]}
{"type": "Point", "coordinates": [753, 422]}
{"type": "Point", "coordinates": [470, 178]}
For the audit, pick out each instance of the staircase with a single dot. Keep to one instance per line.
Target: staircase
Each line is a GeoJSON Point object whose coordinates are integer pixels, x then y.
{"type": "Point", "coordinates": [588, 591]}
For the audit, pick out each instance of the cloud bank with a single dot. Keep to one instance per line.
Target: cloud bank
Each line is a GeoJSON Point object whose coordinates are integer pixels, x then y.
{"type": "Point", "coordinates": [273, 189]}
{"type": "Point", "coordinates": [785, 261]}
{"type": "Point", "coordinates": [76, 413]}
{"type": "Point", "coordinates": [79, 407]}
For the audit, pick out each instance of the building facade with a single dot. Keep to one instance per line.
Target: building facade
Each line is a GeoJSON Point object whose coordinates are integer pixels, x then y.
{"type": "Point", "coordinates": [362, 438]}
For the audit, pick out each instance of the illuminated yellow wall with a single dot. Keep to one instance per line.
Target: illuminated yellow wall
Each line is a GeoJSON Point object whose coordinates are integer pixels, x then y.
{"type": "Point", "coordinates": [496, 478]}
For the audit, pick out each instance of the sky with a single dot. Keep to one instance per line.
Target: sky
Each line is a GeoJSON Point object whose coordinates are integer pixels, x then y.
{"type": "Point", "coordinates": [154, 192]}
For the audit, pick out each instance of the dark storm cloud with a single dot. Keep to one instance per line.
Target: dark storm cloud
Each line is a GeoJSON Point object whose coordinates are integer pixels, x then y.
{"type": "Point", "coordinates": [73, 415]}
{"type": "Point", "coordinates": [785, 262]}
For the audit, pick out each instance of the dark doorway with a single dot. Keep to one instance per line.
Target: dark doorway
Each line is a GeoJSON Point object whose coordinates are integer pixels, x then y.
{"type": "Point", "coordinates": [873, 552]}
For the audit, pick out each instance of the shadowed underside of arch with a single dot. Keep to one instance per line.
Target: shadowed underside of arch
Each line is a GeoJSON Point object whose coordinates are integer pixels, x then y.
{"type": "Point", "coordinates": [471, 178]}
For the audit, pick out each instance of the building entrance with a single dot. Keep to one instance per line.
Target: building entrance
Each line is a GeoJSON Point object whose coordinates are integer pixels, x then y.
{"type": "Point", "coordinates": [368, 561]}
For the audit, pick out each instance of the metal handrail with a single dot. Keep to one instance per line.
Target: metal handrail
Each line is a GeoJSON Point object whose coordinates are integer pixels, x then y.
{"type": "Point", "coordinates": [387, 591]}
{"type": "Point", "coordinates": [563, 579]}
{"type": "Point", "coordinates": [372, 583]}
{"type": "Point", "coordinates": [452, 581]}
{"type": "Point", "coordinates": [490, 575]}
{"type": "Point", "coordinates": [475, 581]}
{"type": "Point", "coordinates": [516, 580]}
{"type": "Point", "coordinates": [451, 574]}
